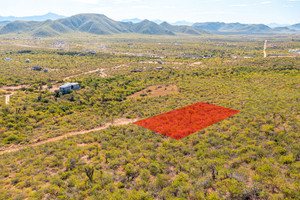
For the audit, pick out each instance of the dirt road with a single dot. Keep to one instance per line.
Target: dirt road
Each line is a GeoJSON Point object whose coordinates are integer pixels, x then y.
{"type": "Point", "coordinates": [88, 72]}
{"type": "Point", "coordinates": [117, 122]}
{"type": "Point", "coordinates": [265, 47]}
{"type": "Point", "coordinates": [7, 98]}
{"type": "Point", "coordinates": [29, 46]}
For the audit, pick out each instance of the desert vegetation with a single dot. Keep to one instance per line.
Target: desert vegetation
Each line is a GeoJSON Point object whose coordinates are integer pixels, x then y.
{"type": "Point", "coordinates": [251, 155]}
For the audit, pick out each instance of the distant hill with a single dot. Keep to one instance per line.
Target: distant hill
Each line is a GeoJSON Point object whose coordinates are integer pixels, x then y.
{"type": "Point", "coordinates": [151, 28]}
{"type": "Point", "coordinates": [90, 23]}
{"type": "Point", "coordinates": [47, 16]}
{"type": "Point", "coordinates": [134, 20]}
{"type": "Point", "coordinates": [275, 25]}
{"type": "Point", "coordinates": [284, 30]}
{"type": "Point", "coordinates": [4, 22]}
{"type": "Point", "coordinates": [186, 23]}
{"type": "Point", "coordinates": [237, 28]}
{"type": "Point", "coordinates": [137, 20]}
{"type": "Point", "coordinates": [158, 21]}
{"type": "Point", "coordinates": [209, 26]}
{"type": "Point", "coordinates": [295, 26]}
{"type": "Point", "coordinates": [233, 28]}
{"type": "Point", "coordinates": [184, 29]}
{"type": "Point", "coordinates": [94, 24]}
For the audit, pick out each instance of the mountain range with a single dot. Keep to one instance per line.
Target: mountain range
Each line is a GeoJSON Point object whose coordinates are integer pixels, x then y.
{"type": "Point", "coordinates": [230, 28]}
{"type": "Point", "coordinates": [95, 24]}
{"type": "Point", "coordinates": [275, 25]}
{"type": "Point", "coordinates": [237, 28]}
{"type": "Point", "coordinates": [158, 21]}
{"type": "Point", "coordinates": [55, 25]}
{"type": "Point", "coordinates": [47, 16]}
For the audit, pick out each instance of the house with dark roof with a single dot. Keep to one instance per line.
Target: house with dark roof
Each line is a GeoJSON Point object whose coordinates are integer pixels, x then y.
{"type": "Point", "coordinates": [67, 87]}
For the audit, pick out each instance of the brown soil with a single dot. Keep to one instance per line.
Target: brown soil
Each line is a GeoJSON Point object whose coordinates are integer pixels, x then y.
{"type": "Point", "coordinates": [89, 72]}
{"type": "Point", "coordinates": [280, 56]}
{"type": "Point", "coordinates": [156, 91]}
{"type": "Point", "coordinates": [265, 48]}
{"type": "Point", "coordinates": [196, 63]}
{"type": "Point", "coordinates": [11, 88]}
{"type": "Point", "coordinates": [7, 98]}
{"type": "Point", "coordinates": [123, 65]}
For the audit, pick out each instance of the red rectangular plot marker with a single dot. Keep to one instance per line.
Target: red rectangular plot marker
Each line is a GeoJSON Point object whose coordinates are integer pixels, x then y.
{"type": "Point", "coordinates": [185, 121]}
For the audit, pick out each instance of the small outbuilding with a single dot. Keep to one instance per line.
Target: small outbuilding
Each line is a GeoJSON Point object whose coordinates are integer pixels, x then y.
{"type": "Point", "coordinates": [207, 56]}
{"type": "Point", "coordinates": [28, 61]}
{"type": "Point", "coordinates": [67, 87]}
{"type": "Point", "coordinates": [37, 68]}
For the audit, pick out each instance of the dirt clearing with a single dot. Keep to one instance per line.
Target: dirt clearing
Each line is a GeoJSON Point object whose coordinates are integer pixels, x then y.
{"type": "Point", "coordinates": [156, 91]}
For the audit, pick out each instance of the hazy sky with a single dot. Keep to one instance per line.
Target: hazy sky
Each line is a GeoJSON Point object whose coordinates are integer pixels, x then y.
{"type": "Point", "coordinates": [246, 11]}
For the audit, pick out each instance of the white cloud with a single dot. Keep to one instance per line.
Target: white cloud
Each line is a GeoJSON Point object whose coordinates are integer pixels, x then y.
{"type": "Point", "coordinates": [88, 1]}
{"type": "Point", "coordinates": [265, 2]}
{"type": "Point", "coordinates": [125, 1]}
{"type": "Point", "coordinates": [240, 5]}
{"type": "Point", "coordinates": [214, 13]}
{"type": "Point", "coordinates": [102, 9]}
{"type": "Point", "coordinates": [256, 4]}
{"type": "Point", "coordinates": [169, 7]}
{"type": "Point", "coordinates": [141, 7]}
{"type": "Point", "coordinates": [294, 0]}
{"type": "Point", "coordinates": [106, 1]}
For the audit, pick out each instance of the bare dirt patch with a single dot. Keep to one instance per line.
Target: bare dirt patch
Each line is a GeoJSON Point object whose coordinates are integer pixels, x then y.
{"type": "Point", "coordinates": [12, 88]}
{"type": "Point", "coordinates": [196, 63]}
{"type": "Point", "coordinates": [265, 48]}
{"type": "Point", "coordinates": [88, 72]}
{"type": "Point", "coordinates": [7, 98]}
{"type": "Point", "coordinates": [156, 91]}
{"type": "Point", "coordinates": [230, 61]}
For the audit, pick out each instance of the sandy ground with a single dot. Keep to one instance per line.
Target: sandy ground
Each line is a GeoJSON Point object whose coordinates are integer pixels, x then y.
{"type": "Point", "coordinates": [156, 91]}
{"type": "Point", "coordinates": [88, 72]}
{"type": "Point", "coordinates": [7, 97]}
{"type": "Point", "coordinates": [265, 47]}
